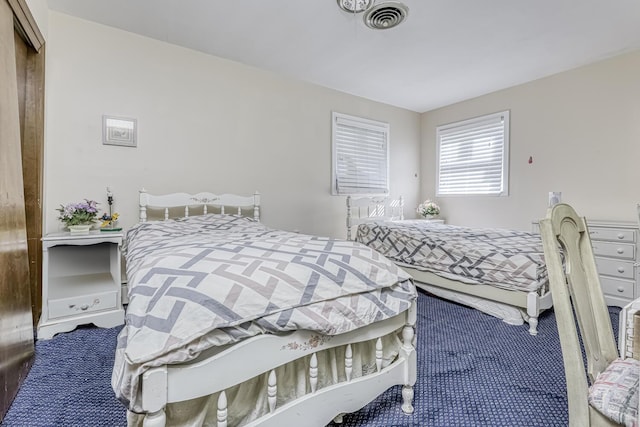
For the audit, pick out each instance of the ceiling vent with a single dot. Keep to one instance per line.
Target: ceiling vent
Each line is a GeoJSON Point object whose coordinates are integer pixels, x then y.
{"type": "Point", "coordinates": [385, 15]}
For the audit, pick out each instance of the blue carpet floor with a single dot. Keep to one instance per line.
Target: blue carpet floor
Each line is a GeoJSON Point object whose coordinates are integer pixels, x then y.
{"type": "Point", "coordinates": [473, 370]}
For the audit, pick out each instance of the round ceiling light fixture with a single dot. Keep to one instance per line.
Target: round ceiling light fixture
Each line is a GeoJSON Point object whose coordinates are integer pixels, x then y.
{"type": "Point", "coordinates": [354, 6]}
{"type": "Point", "coordinates": [386, 15]}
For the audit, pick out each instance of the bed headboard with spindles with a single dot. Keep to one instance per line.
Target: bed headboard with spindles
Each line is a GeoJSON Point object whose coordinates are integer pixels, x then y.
{"type": "Point", "coordinates": [200, 203]}
{"type": "Point", "coordinates": [366, 209]}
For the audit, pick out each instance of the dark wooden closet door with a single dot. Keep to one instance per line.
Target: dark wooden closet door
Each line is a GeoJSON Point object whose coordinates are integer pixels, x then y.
{"type": "Point", "coordinates": [16, 106]}
{"type": "Point", "coordinates": [30, 79]}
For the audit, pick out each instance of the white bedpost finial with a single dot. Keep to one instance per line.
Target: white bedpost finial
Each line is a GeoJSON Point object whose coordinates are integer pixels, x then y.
{"type": "Point", "coordinates": [256, 205]}
{"type": "Point", "coordinates": [348, 217]}
{"type": "Point", "coordinates": [155, 398]}
{"type": "Point", "coordinates": [401, 208]}
{"type": "Point", "coordinates": [222, 409]}
{"type": "Point", "coordinates": [143, 205]}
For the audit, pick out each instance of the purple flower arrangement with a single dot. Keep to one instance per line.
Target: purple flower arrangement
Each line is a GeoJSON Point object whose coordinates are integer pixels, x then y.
{"type": "Point", "coordinates": [78, 213]}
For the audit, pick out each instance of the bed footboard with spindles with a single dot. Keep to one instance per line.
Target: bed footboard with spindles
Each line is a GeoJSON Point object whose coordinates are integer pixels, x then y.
{"type": "Point", "coordinates": [269, 356]}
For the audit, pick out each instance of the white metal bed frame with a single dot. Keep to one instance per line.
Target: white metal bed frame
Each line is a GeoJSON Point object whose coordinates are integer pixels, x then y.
{"type": "Point", "coordinates": [238, 363]}
{"type": "Point", "coordinates": [534, 302]}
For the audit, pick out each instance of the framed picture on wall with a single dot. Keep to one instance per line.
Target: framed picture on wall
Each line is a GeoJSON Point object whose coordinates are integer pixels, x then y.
{"type": "Point", "coordinates": [119, 131]}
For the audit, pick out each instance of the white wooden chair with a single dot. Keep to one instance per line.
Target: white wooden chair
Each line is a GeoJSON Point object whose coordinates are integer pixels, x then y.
{"type": "Point", "coordinates": [366, 209]}
{"type": "Point", "coordinates": [612, 398]}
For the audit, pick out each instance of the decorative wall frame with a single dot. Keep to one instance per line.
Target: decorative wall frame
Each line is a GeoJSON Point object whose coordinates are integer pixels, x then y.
{"type": "Point", "coordinates": [119, 131]}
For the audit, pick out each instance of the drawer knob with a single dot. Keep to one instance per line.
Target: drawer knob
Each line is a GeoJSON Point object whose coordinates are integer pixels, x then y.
{"type": "Point", "coordinates": [84, 307]}
{"type": "Point", "coordinates": [620, 236]}
{"type": "Point", "coordinates": [620, 269]}
{"type": "Point", "coordinates": [620, 289]}
{"type": "Point", "coordinates": [620, 251]}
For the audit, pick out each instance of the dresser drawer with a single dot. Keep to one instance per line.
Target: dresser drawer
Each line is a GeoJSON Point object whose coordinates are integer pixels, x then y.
{"type": "Point", "coordinates": [82, 304]}
{"type": "Point", "coordinates": [614, 249]}
{"type": "Point", "coordinates": [613, 234]}
{"type": "Point", "coordinates": [617, 287]}
{"type": "Point", "coordinates": [615, 267]}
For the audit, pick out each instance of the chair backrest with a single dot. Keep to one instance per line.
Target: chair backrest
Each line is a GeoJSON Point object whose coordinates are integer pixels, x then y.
{"type": "Point", "coordinates": [575, 288]}
{"type": "Point", "coordinates": [364, 209]}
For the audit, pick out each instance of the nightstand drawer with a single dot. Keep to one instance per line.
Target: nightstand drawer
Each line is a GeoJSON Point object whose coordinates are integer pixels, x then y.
{"type": "Point", "coordinates": [615, 267]}
{"type": "Point", "coordinates": [613, 234]}
{"type": "Point", "coordinates": [617, 287]}
{"type": "Point", "coordinates": [82, 304]}
{"type": "Point", "coordinates": [614, 249]}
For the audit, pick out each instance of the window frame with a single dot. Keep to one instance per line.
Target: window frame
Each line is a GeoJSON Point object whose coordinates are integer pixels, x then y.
{"type": "Point", "coordinates": [480, 120]}
{"type": "Point", "coordinates": [365, 124]}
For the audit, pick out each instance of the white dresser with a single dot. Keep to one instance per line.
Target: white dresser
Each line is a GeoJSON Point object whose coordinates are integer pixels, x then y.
{"type": "Point", "coordinates": [615, 246]}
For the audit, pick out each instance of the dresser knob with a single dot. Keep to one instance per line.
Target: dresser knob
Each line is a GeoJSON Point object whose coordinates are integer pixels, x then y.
{"type": "Point", "coordinates": [620, 269]}
{"type": "Point", "coordinates": [620, 251]}
{"type": "Point", "coordinates": [620, 236]}
{"type": "Point", "coordinates": [620, 289]}
{"type": "Point", "coordinates": [84, 307]}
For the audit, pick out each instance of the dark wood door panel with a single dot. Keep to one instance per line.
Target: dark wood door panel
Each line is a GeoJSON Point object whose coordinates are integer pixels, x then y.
{"type": "Point", "coordinates": [16, 323]}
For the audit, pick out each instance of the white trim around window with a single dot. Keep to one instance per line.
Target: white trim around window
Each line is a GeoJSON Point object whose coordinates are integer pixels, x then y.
{"type": "Point", "coordinates": [360, 155]}
{"type": "Point", "coordinates": [473, 156]}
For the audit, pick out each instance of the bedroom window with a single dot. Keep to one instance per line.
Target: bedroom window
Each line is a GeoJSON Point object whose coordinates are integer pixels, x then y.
{"type": "Point", "coordinates": [473, 156]}
{"type": "Point", "coordinates": [360, 155]}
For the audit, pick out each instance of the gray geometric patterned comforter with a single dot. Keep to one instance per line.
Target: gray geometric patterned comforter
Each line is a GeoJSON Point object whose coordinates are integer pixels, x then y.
{"type": "Point", "coordinates": [212, 280]}
{"type": "Point", "coordinates": [502, 258]}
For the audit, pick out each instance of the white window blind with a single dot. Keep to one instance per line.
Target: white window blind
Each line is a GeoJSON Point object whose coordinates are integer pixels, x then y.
{"type": "Point", "coordinates": [360, 155]}
{"type": "Point", "coordinates": [473, 156]}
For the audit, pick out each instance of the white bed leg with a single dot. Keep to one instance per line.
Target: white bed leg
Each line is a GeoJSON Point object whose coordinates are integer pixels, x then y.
{"type": "Point", "coordinates": [533, 310]}
{"type": "Point", "coordinates": [533, 326]}
{"type": "Point", "coordinates": [313, 372]}
{"type": "Point", "coordinates": [222, 409]}
{"type": "Point", "coordinates": [407, 399]}
{"type": "Point", "coordinates": [408, 351]}
{"type": "Point", "coordinates": [379, 354]}
{"type": "Point", "coordinates": [155, 419]}
{"type": "Point", "coordinates": [348, 362]}
{"type": "Point", "coordinates": [272, 390]}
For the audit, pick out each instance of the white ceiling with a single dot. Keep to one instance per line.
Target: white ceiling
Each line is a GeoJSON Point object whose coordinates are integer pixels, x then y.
{"type": "Point", "coordinates": [446, 51]}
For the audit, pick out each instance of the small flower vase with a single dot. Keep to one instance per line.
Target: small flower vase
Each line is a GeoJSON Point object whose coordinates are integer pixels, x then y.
{"type": "Point", "coordinates": [429, 216]}
{"type": "Point", "coordinates": [79, 229]}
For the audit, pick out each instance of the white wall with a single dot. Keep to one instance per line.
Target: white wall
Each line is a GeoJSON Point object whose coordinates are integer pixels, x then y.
{"type": "Point", "coordinates": [204, 124]}
{"type": "Point", "coordinates": [582, 128]}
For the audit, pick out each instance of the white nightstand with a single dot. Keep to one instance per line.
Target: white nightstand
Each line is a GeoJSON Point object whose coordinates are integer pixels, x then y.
{"type": "Point", "coordinates": [81, 282]}
{"type": "Point", "coordinates": [422, 221]}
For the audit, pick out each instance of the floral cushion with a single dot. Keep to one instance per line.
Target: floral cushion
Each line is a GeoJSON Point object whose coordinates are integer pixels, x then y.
{"type": "Point", "coordinates": [615, 392]}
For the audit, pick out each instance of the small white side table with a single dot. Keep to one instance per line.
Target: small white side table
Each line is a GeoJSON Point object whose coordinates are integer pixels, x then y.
{"type": "Point", "coordinates": [81, 282]}
{"type": "Point", "coordinates": [422, 221]}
